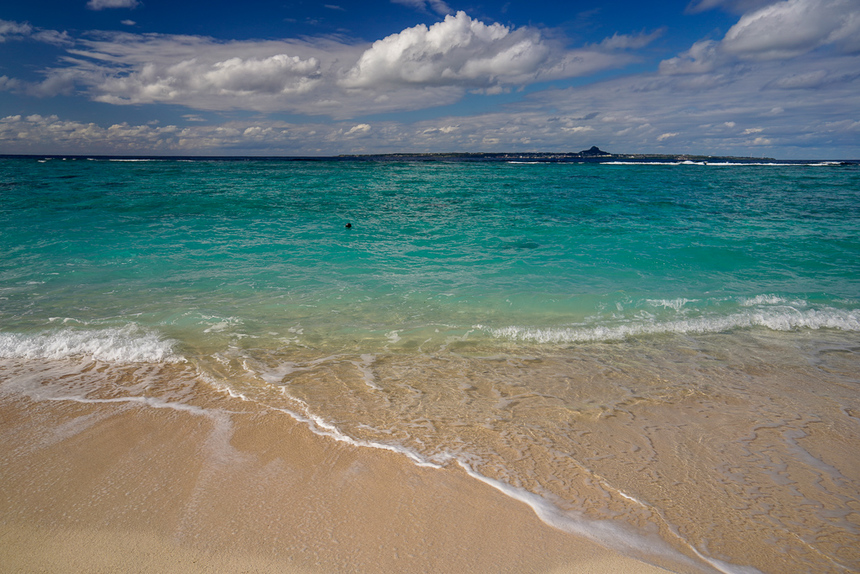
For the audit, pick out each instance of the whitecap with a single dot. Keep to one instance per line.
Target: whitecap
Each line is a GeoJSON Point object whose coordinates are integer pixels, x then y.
{"type": "Point", "coordinates": [129, 344]}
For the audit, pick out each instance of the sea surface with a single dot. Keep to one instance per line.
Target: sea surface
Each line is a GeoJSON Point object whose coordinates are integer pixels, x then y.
{"type": "Point", "coordinates": [662, 357]}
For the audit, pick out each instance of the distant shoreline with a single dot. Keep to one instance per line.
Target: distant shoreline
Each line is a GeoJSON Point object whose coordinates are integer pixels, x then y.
{"type": "Point", "coordinates": [586, 156]}
{"type": "Point", "coordinates": [591, 155]}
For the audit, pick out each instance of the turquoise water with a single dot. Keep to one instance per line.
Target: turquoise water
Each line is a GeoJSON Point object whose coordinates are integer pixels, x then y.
{"type": "Point", "coordinates": [547, 252]}
{"type": "Point", "coordinates": [578, 335]}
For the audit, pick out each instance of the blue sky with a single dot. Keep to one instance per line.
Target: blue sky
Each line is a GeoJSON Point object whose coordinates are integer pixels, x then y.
{"type": "Point", "coordinates": [142, 77]}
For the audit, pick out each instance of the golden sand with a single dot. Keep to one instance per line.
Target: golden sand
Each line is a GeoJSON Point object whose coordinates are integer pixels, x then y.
{"type": "Point", "coordinates": [125, 487]}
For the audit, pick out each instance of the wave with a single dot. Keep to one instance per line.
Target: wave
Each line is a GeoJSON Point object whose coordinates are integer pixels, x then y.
{"type": "Point", "coordinates": [129, 344]}
{"type": "Point", "coordinates": [777, 319]}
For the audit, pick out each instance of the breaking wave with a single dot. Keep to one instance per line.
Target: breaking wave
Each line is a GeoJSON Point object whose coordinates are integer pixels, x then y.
{"type": "Point", "coordinates": [130, 344]}
{"type": "Point", "coordinates": [777, 319]}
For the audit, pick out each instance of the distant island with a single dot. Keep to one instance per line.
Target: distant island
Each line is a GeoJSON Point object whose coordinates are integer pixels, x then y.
{"type": "Point", "coordinates": [593, 154]}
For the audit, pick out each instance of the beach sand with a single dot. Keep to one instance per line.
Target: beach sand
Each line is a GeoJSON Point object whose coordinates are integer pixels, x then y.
{"type": "Point", "coordinates": [227, 486]}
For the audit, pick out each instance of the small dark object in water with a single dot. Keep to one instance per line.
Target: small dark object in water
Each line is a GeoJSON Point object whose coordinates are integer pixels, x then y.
{"type": "Point", "coordinates": [348, 225]}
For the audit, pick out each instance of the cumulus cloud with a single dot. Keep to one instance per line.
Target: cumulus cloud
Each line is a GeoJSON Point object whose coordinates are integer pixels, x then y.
{"type": "Point", "coordinates": [416, 68]}
{"type": "Point", "coordinates": [51, 134]}
{"type": "Point", "coordinates": [105, 4]}
{"type": "Point", "coordinates": [777, 31]}
{"type": "Point", "coordinates": [631, 113]}
{"type": "Point", "coordinates": [276, 75]}
{"type": "Point", "coordinates": [461, 51]}
{"type": "Point", "coordinates": [201, 73]}
{"type": "Point", "coordinates": [708, 99]}
{"type": "Point", "coordinates": [793, 27]}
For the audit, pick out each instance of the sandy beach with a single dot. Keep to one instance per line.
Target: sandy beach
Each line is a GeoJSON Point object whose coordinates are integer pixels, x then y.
{"type": "Point", "coordinates": [126, 487]}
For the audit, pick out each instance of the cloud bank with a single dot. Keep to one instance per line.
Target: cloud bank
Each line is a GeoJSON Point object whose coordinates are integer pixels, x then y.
{"type": "Point", "coordinates": [783, 81]}
{"type": "Point", "coordinates": [416, 68]}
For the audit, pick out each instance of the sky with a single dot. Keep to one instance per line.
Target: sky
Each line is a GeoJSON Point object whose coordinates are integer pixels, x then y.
{"type": "Point", "coordinates": [758, 78]}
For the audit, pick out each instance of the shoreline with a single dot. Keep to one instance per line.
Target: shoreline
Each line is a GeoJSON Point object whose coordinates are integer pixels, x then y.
{"type": "Point", "coordinates": [119, 486]}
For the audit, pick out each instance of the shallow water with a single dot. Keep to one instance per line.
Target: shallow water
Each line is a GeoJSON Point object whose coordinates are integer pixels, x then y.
{"type": "Point", "coordinates": [664, 358]}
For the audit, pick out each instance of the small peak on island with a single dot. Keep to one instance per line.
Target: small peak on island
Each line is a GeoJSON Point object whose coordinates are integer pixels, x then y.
{"type": "Point", "coordinates": [593, 151]}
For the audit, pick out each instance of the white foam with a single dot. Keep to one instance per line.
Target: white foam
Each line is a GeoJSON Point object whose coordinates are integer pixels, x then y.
{"type": "Point", "coordinates": [676, 304]}
{"type": "Point", "coordinates": [783, 318]}
{"type": "Point", "coordinates": [148, 401]}
{"type": "Point", "coordinates": [763, 300]}
{"type": "Point", "coordinates": [365, 367]}
{"type": "Point", "coordinates": [320, 426]}
{"type": "Point", "coordinates": [393, 336]}
{"type": "Point", "coordinates": [603, 531]}
{"type": "Point", "coordinates": [116, 345]}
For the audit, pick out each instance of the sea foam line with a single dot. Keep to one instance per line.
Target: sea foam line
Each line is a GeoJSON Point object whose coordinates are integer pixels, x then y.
{"type": "Point", "coordinates": [777, 319]}
{"type": "Point", "coordinates": [321, 427]}
{"type": "Point", "coordinates": [602, 532]}
{"type": "Point", "coordinates": [128, 344]}
{"type": "Point", "coordinates": [148, 401]}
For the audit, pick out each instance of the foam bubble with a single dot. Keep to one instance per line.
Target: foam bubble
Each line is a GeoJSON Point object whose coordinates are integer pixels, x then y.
{"type": "Point", "coordinates": [128, 344]}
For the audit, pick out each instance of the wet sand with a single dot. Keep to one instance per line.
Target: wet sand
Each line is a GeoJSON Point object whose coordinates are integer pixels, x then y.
{"type": "Point", "coordinates": [122, 486]}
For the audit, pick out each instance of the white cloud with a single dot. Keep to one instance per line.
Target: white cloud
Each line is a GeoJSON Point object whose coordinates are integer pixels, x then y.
{"type": "Point", "coordinates": [778, 31]}
{"type": "Point", "coordinates": [437, 6]}
{"type": "Point", "coordinates": [577, 129]}
{"type": "Point", "coordinates": [625, 42]}
{"type": "Point", "coordinates": [416, 68]}
{"type": "Point", "coordinates": [737, 6]}
{"type": "Point", "coordinates": [456, 49]}
{"type": "Point", "coordinates": [201, 73]}
{"type": "Point", "coordinates": [128, 22]}
{"type": "Point", "coordinates": [20, 31]}
{"type": "Point", "coordinates": [707, 86]}
{"type": "Point", "coordinates": [802, 80]}
{"type": "Point", "coordinates": [701, 58]}
{"type": "Point", "coordinates": [9, 84]}
{"type": "Point", "coordinates": [104, 4]}
{"type": "Point", "coordinates": [793, 27]}
{"type": "Point", "coordinates": [14, 30]}
{"type": "Point", "coordinates": [359, 129]}
{"type": "Point", "coordinates": [625, 114]}
{"type": "Point", "coordinates": [50, 134]}
{"type": "Point", "coordinates": [461, 51]}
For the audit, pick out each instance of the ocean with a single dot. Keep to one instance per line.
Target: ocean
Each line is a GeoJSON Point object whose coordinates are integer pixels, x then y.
{"type": "Point", "coordinates": [662, 357]}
